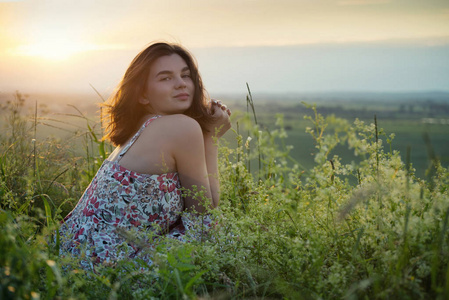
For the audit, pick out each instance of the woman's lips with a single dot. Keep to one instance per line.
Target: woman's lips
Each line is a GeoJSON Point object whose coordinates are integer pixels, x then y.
{"type": "Point", "coordinates": [182, 96]}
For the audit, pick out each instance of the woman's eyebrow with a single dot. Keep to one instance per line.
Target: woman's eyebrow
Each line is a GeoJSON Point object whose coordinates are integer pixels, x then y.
{"type": "Point", "coordinates": [167, 72]}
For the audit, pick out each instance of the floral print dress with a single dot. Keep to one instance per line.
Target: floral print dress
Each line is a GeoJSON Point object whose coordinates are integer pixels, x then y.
{"type": "Point", "coordinates": [119, 202]}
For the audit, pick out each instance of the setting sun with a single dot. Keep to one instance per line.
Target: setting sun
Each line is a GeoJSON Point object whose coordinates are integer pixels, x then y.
{"type": "Point", "coordinates": [50, 50]}
{"type": "Point", "coordinates": [52, 43]}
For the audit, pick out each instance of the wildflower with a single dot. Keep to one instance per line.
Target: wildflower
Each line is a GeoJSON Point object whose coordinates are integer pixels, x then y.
{"type": "Point", "coordinates": [247, 141]}
{"type": "Point", "coordinates": [51, 263]}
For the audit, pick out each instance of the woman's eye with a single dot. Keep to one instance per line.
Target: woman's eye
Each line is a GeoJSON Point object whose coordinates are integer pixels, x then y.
{"type": "Point", "coordinates": [165, 78]}
{"type": "Point", "coordinates": [186, 76]}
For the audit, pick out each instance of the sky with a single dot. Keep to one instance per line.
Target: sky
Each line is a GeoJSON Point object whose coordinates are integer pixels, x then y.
{"type": "Point", "coordinates": [277, 46]}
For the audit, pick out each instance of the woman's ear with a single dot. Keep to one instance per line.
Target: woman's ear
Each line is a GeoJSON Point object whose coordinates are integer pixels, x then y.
{"type": "Point", "coordinates": [144, 100]}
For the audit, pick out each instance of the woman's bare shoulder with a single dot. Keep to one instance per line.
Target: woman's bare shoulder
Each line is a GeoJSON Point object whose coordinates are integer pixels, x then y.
{"type": "Point", "coordinates": [178, 118]}
{"type": "Point", "coordinates": [179, 133]}
{"type": "Point", "coordinates": [179, 124]}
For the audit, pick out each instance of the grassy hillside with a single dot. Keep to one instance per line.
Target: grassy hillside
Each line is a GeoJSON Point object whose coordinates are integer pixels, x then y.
{"type": "Point", "coordinates": [326, 228]}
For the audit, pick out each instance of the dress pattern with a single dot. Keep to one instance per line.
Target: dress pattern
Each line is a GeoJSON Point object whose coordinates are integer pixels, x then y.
{"type": "Point", "coordinates": [119, 201]}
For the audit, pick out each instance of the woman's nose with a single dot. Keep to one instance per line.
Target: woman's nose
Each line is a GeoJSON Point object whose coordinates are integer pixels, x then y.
{"type": "Point", "coordinates": [180, 82]}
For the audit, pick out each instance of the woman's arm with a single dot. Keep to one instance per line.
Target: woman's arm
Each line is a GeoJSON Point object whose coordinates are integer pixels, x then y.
{"type": "Point", "coordinates": [196, 155]}
{"type": "Point", "coordinates": [211, 155]}
{"type": "Point", "coordinates": [217, 129]}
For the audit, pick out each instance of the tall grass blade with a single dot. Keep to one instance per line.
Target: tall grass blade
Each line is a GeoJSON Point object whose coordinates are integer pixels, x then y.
{"type": "Point", "coordinates": [81, 115]}
{"type": "Point", "coordinates": [444, 230]}
{"type": "Point", "coordinates": [249, 100]}
{"type": "Point", "coordinates": [431, 170]}
{"type": "Point", "coordinates": [53, 181]}
{"type": "Point", "coordinates": [408, 169]}
{"type": "Point", "coordinates": [35, 140]}
{"type": "Point", "coordinates": [47, 208]}
{"type": "Point", "coordinates": [377, 144]}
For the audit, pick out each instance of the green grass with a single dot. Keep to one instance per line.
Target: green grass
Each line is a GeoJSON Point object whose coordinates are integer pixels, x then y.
{"type": "Point", "coordinates": [329, 227]}
{"type": "Point", "coordinates": [407, 127]}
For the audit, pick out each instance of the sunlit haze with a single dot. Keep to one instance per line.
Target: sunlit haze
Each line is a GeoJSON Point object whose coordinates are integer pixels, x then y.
{"type": "Point", "coordinates": [276, 46]}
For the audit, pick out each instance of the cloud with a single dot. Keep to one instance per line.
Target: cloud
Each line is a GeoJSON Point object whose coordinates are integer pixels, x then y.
{"type": "Point", "coordinates": [362, 2]}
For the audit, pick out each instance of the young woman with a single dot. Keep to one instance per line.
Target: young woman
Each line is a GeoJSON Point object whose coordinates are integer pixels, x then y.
{"type": "Point", "coordinates": [166, 133]}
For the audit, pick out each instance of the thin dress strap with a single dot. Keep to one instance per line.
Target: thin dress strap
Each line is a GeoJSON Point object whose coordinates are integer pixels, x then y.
{"type": "Point", "coordinates": [136, 136]}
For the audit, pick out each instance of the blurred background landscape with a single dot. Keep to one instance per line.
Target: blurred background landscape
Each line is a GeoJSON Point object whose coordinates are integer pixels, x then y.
{"type": "Point", "coordinates": [418, 120]}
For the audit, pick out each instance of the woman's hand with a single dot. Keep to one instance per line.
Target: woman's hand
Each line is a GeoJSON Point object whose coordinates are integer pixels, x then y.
{"type": "Point", "coordinates": [220, 123]}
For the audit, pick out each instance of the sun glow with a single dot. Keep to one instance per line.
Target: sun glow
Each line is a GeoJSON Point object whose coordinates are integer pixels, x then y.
{"type": "Point", "coordinates": [53, 44]}
{"type": "Point", "coordinates": [53, 50]}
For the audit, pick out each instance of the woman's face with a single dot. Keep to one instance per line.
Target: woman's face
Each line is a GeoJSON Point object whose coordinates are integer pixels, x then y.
{"type": "Point", "coordinates": [169, 87]}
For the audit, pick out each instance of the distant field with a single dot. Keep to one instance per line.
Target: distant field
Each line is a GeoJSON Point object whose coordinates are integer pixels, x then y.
{"type": "Point", "coordinates": [408, 117]}
{"type": "Point", "coordinates": [407, 133]}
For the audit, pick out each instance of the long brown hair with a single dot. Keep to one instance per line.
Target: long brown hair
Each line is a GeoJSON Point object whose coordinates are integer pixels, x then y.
{"type": "Point", "coordinates": [124, 112]}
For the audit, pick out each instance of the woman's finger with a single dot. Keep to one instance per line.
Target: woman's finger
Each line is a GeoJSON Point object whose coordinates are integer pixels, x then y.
{"type": "Point", "coordinates": [219, 104]}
